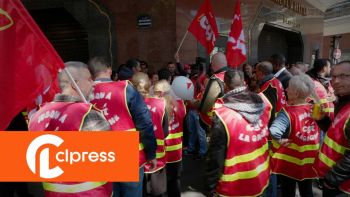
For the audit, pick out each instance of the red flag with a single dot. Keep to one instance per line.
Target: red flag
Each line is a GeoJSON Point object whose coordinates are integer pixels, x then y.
{"type": "Point", "coordinates": [204, 27]}
{"type": "Point", "coordinates": [236, 52]}
{"type": "Point", "coordinates": [28, 63]}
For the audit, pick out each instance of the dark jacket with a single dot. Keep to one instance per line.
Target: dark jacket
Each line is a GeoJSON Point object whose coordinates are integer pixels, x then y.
{"type": "Point", "coordinates": [284, 78]}
{"type": "Point", "coordinates": [341, 171]}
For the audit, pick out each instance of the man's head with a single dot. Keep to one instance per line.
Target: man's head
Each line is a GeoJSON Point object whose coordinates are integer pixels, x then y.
{"type": "Point", "coordinates": [171, 67]}
{"type": "Point", "coordinates": [134, 65]}
{"type": "Point", "coordinates": [233, 78]}
{"type": "Point", "coordinates": [100, 68]}
{"type": "Point", "coordinates": [341, 78]}
{"type": "Point", "coordinates": [322, 67]}
{"type": "Point", "coordinates": [278, 61]}
{"type": "Point", "coordinates": [218, 61]}
{"type": "Point", "coordinates": [164, 74]}
{"type": "Point", "coordinates": [144, 66]}
{"type": "Point", "coordinates": [301, 66]}
{"type": "Point", "coordinates": [81, 76]}
{"type": "Point", "coordinates": [263, 69]}
{"type": "Point", "coordinates": [142, 83]}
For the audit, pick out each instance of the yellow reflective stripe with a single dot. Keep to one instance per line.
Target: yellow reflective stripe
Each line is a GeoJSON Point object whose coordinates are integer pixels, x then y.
{"type": "Point", "coordinates": [303, 148]}
{"type": "Point", "coordinates": [246, 174]}
{"type": "Point", "coordinates": [326, 160]}
{"type": "Point", "coordinates": [322, 101]}
{"type": "Point", "coordinates": [334, 145]}
{"type": "Point", "coordinates": [328, 109]}
{"type": "Point", "coordinates": [160, 155]}
{"type": "Point", "coordinates": [294, 160]}
{"type": "Point", "coordinates": [174, 147]}
{"type": "Point", "coordinates": [247, 157]}
{"type": "Point", "coordinates": [63, 188]}
{"type": "Point", "coordinates": [174, 135]}
{"type": "Point", "coordinates": [141, 147]}
{"type": "Point", "coordinates": [160, 142]}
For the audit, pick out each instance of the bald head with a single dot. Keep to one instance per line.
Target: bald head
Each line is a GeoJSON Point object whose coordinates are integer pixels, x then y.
{"type": "Point", "coordinates": [219, 61]}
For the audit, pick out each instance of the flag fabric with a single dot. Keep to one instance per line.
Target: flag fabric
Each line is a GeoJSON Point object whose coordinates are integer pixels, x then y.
{"type": "Point", "coordinates": [204, 27]}
{"type": "Point", "coordinates": [28, 63]}
{"type": "Point", "coordinates": [236, 52]}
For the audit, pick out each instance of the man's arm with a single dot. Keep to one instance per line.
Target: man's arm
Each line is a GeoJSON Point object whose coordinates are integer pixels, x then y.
{"type": "Point", "coordinates": [142, 120]}
{"type": "Point", "coordinates": [341, 171]}
{"type": "Point", "coordinates": [216, 156]}
{"type": "Point", "coordinates": [279, 127]}
{"type": "Point", "coordinates": [211, 94]}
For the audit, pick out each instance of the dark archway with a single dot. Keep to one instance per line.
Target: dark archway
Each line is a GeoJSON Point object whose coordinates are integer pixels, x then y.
{"type": "Point", "coordinates": [273, 40]}
{"type": "Point", "coordinates": [85, 21]}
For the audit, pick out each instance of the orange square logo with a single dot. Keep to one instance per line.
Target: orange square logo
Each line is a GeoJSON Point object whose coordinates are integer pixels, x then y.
{"type": "Point", "coordinates": [69, 156]}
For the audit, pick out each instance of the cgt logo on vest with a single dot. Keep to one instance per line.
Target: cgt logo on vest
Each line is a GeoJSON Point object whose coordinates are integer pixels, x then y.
{"type": "Point", "coordinates": [62, 156]}
{"type": "Point", "coordinates": [69, 156]}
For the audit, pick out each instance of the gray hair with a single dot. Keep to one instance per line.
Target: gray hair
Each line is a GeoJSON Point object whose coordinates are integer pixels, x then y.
{"type": "Point", "coordinates": [73, 67]}
{"type": "Point", "coordinates": [303, 84]}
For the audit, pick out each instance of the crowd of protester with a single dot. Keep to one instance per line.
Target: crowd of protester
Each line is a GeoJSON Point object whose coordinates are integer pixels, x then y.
{"type": "Point", "coordinates": [258, 128]}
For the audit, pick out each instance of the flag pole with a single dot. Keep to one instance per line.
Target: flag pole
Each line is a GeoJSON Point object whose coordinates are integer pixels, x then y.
{"type": "Point", "coordinates": [75, 86]}
{"type": "Point", "coordinates": [182, 41]}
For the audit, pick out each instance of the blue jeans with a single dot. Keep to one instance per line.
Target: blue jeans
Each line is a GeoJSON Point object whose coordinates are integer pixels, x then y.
{"type": "Point", "coordinates": [271, 190]}
{"type": "Point", "coordinates": [129, 189]}
{"type": "Point", "coordinates": [196, 132]}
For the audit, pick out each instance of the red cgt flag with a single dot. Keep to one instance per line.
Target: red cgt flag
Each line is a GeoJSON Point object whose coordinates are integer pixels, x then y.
{"type": "Point", "coordinates": [28, 63]}
{"type": "Point", "coordinates": [204, 27]}
{"type": "Point", "coordinates": [236, 52]}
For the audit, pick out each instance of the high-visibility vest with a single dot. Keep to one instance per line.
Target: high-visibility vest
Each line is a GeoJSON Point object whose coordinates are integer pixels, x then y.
{"type": "Point", "coordinates": [334, 146]}
{"type": "Point", "coordinates": [296, 159]}
{"type": "Point", "coordinates": [275, 84]}
{"type": "Point", "coordinates": [173, 141]}
{"type": "Point", "coordinates": [157, 108]}
{"type": "Point", "coordinates": [67, 116]}
{"type": "Point", "coordinates": [110, 98]}
{"type": "Point", "coordinates": [247, 167]}
{"type": "Point", "coordinates": [206, 117]}
{"type": "Point", "coordinates": [325, 99]}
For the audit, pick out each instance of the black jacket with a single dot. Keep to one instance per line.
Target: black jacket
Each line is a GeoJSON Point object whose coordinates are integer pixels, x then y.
{"type": "Point", "coordinates": [341, 171]}
{"type": "Point", "coordinates": [284, 78]}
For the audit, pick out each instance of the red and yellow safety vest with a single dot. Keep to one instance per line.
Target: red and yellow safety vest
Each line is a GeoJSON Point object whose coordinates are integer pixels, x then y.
{"type": "Point", "coordinates": [110, 98]}
{"type": "Point", "coordinates": [157, 108]}
{"type": "Point", "coordinates": [67, 116]}
{"type": "Point", "coordinates": [296, 159]}
{"type": "Point", "coordinates": [326, 100]}
{"type": "Point", "coordinates": [247, 166]}
{"type": "Point", "coordinates": [173, 141]}
{"type": "Point", "coordinates": [334, 146]}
